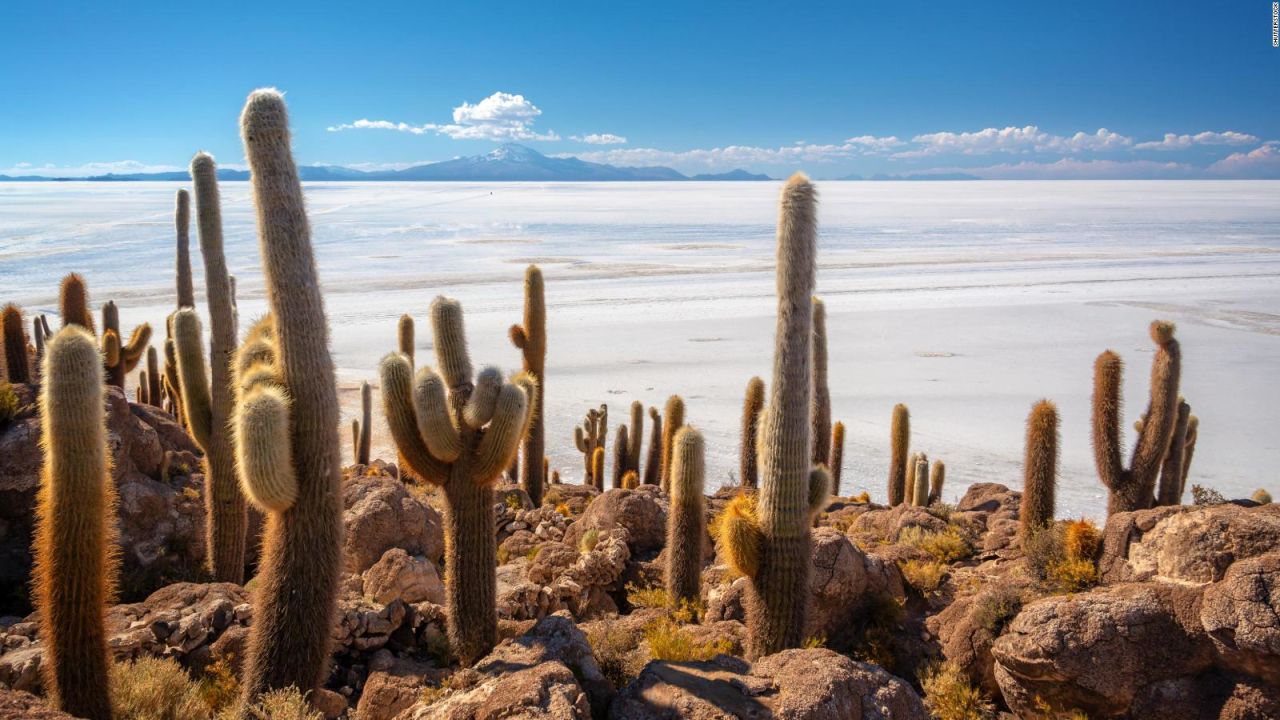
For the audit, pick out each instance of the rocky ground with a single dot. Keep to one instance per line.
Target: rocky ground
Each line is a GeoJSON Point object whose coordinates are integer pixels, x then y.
{"type": "Point", "coordinates": [1173, 613]}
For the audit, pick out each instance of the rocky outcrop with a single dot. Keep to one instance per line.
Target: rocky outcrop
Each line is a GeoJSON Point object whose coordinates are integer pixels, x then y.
{"type": "Point", "coordinates": [401, 576]}
{"type": "Point", "coordinates": [562, 578]}
{"type": "Point", "coordinates": [791, 685]}
{"type": "Point", "coordinates": [1241, 614]}
{"type": "Point", "coordinates": [18, 705]}
{"type": "Point", "coordinates": [381, 514]}
{"type": "Point", "coordinates": [394, 685]}
{"type": "Point", "coordinates": [1191, 545]}
{"type": "Point", "coordinates": [641, 512]}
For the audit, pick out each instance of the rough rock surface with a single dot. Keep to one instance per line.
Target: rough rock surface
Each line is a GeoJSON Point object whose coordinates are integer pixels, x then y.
{"type": "Point", "coordinates": [1193, 545]}
{"type": "Point", "coordinates": [394, 685]}
{"type": "Point", "coordinates": [18, 705]}
{"type": "Point", "coordinates": [813, 684]}
{"type": "Point", "coordinates": [1242, 616]}
{"type": "Point", "coordinates": [545, 691]}
{"type": "Point", "coordinates": [401, 576]}
{"type": "Point", "coordinates": [554, 638]}
{"type": "Point", "coordinates": [641, 512]}
{"type": "Point", "coordinates": [381, 514]}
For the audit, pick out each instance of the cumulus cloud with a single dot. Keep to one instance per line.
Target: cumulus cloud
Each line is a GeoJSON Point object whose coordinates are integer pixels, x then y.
{"type": "Point", "coordinates": [734, 156]}
{"type": "Point", "coordinates": [1076, 169]}
{"type": "Point", "coordinates": [600, 139]}
{"type": "Point", "coordinates": [501, 117]}
{"type": "Point", "coordinates": [1182, 142]}
{"type": "Point", "coordinates": [873, 143]}
{"type": "Point", "coordinates": [1261, 162]}
{"type": "Point", "coordinates": [1013, 140]}
{"type": "Point", "coordinates": [117, 167]}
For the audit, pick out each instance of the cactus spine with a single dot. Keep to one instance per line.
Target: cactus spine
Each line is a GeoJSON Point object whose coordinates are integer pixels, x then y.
{"type": "Point", "coordinates": [673, 415]}
{"type": "Point", "coordinates": [686, 520]}
{"type": "Point", "coordinates": [16, 361]}
{"type": "Point", "coordinates": [1170, 492]}
{"type": "Point", "coordinates": [75, 561]}
{"type": "Point", "coordinates": [751, 407]}
{"type": "Point", "coordinates": [837, 456]}
{"type": "Point", "coordinates": [899, 442]}
{"type": "Point", "coordinates": [1040, 468]}
{"type": "Point", "coordinates": [531, 338]}
{"type": "Point", "coordinates": [1133, 488]}
{"type": "Point", "coordinates": [773, 541]}
{"type": "Point", "coordinates": [182, 225]}
{"type": "Point", "coordinates": [297, 580]}
{"type": "Point", "coordinates": [447, 440]}
{"type": "Point", "coordinates": [364, 436]}
{"type": "Point", "coordinates": [937, 477]}
{"type": "Point", "coordinates": [73, 302]}
{"type": "Point", "coordinates": [920, 488]}
{"type": "Point", "coordinates": [821, 411]}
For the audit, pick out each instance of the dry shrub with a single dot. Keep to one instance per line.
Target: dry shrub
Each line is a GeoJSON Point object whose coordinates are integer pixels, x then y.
{"type": "Point", "coordinates": [862, 498]}
{"type": "Point", "coordinates": [286, 704]}
{"type": "Point", "coordinates": [949, 695]}
{"type": "Point", "coordinates": [667, 640]}
{"type": "Point", "coordinates": [8, 404]}
{"type": "Point", "coordinates": [923, 575]}
{"type": "Point", "coordinates": [152, 688]}
{"type": "Point", "coordinates": [1062, 556]}
{"type": "Point", "coordinates": [219, 687]}
{"type": "Point", "coordinates": [615, 651]}
{"type": "Point", "coordinates": [945, 546]}
{"type": "Point", "coordinates": [1206, 496]}
{"type": "Point", "coordinates": [993, 609]}
{"type": "Point", "coordinates": [647, 597]}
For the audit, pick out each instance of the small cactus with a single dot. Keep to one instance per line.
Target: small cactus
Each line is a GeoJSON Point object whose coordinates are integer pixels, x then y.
{"type": "Point", "coordinates": [937, 477]}
{"type": "Point", "coordinates": [673, 420]}
{"type": "Point", "coordinates": [920, 496]}
{"type": "Point", "coordinates": [364, 425]}
{"type": "Point", "coordinates": [1040, 469]}
{"type": "Point", "coordinates": [16, 361]}
{"type": "Point", "coordinates": [1189, 451]}
{"type": "Point", "coordinates": [909, 494]}
{"type": "Point", "coordinates": [837, 456]}
{"type": "Point", "coordinates": [899, 441]}
{"type": "Point", "coordinates": [1261, 496]}
{"type": "Point", "coordinates": [1133, 488]}
{"type": "Point", "coordinates": [73, 301]}
{"type": "Point", "coordinates": [821, 410]}
{"type": "Point", "coordinates": [75, 537]}
{"type": "Point", "coordinates": [597, 468]}
{"type": "Point", "coordinates": [653, 460]}
{"type": "Point", "coordinates": [751, 407]}
{"type": "Point", "coordinates": [182, 226]}
{"type": "Point", "coordinates": [635, 436]}
{"type": "Point", "coordinates": [531, 339]}
{"type": "Point", "coordinates": [621, 447]}
{"type": "Point", "coordinates": [404, 336]}
{"type": "Point", "coordinates": [590, 437]}
{"type": "Point", "coordinates": [153, 377]}
{"type": "Point", "coordinates": [686, 520]}
{"type": "Point", "coordinates": [631, 480]}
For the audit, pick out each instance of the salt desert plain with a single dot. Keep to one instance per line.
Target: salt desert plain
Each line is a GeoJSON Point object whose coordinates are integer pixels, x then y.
{"type": "Point", "coordinates": [968, 301]}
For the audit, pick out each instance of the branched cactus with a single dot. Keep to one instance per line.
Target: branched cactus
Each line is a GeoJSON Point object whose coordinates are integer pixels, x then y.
{"type": "Point", "coordinates": [920, 487]}
{"type": "Point", "coordinates": [771, 544]}
{"type": "Point", "coordinates": [75, 537]}
{"type": "Point", "coordinates": [621, 447]}
{"type": "Point", "coordinates": [1170, 492]}
{"type": "Point", "coordinates": [16, 361]}
{"type": "Point", "coordinates": [821, 411]}
{"type": "Point", "coordinates": [899, 443]}
{"type": "Point", "coordinates": [73, 302]}
{"type": "Point", "coordinates": [686, 520]}
{"type": "Point", "coordinates": [127, 355]}
{"type": "Point", "coordinates": [937, 478]}
{"type": "Point", "coordinates": [182, 275]}
{"type": "Point", "coordinates": [295, 597]}
{"type": "Point", "coordinates": [752, 404]}
{"type": "Point", "coordinates": [1133, 488]}
{"type": "Point", "coordinates": [531, 338]}
{"type": "Point", "coordinates": [590, 437]}
{"type": "Point", "coordinates": [837, 456]}
{"type": "Point", "coordinates": [1040, 468]}
{"type": "Point", "coordinates": [460, 434]}
{"type": "Point", "coordinates": [653, 459]}
{"type": "Point", "coordinates": [673, 420]}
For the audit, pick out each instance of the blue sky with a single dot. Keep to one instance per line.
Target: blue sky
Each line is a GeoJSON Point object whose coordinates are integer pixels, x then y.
{"type": "Point", "coordinates": [997, 89]}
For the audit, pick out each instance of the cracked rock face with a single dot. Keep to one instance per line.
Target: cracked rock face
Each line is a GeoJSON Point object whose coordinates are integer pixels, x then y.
{"type": "Point", "coordinates": [1242, 616]}
{"type": "Point", "coordinates": [1190, 545]}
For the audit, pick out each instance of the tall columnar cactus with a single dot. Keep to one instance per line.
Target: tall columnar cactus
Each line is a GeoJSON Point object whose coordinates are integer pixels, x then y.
{"type": "Point", "coordinates": [673, 420]}
{"type": "Point", "coordinates": [772, 543]}
{"type": "Point", "coordinates": [1133, 488]}
{"type": "Point", "coordinates": [1170, 492]}
{"type": "Point", "coordinates": [297, 581]}
{"type": "Point", "coordinates": [531, 339]}
{"type": "Point", "coordinates": [620, 449]}
{"type": "Point", "coordinates": [635, 436]}
{"type": "Point", "coordinates": [837, 456]}
{"type": "Point", "coordinates": [752, 405]}
{"type": "Point", "coordinates": [209, 405]}
{"type": "Point", "coordinates": [821, 411]}
{"type": "Point", "coordinates": [153, 377]}
{"type": "Point", "coordinates": [597, 469]}
{"type": "Point", "coordinates": [589, 437]}
{"type": "Point", "coordinates": [459, 434]}
{"type": "Point", "coordinates": [909, 496]}
{"type": "Point", "coordinates": [937, 478]}
{"type": "Point", "coordinates": [899, 443]}
{"type": "Point", "coordinates": [653, 459]}
{"type": "Point", "coordinates": [75, 562]}
{"type": "Point", "coordinates": [39, 332]}
{"type": "Point", "coordinates": [73, 302]}
{"type": "Point", "coordinates": [182, 271]}
{"type": "Point", "coordinates": [1040, 468]}
{"type": "Point", "coordinates": [1189, 451]}
{"type": "Point", "coordinates": [129, 354]}
{"type": "Point", "coordinates": [16, 361]}
{"type": "Point", "coordinates": [686, 520]}
{"type": "Point", "coordinates": [920, 496]}
{"type": "Point", "coordinates": [404, 336]}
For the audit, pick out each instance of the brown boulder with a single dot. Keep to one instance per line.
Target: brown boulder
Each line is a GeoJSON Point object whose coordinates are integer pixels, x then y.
{"type": "Point", "coordinates": [394, 685]}
{"type": "Point", "coordinates": [399, 575]}
{"type": "Point", "coordinates": [1185, 544]}
{"type": "Point", "coordinates": [1241, 613]}
{"type": "Point", "coordinates": [640, 512]}
{"type": "Point", "coordinates": [554, 638]}
{"type": "Point", "coordinates": [381, 514]}
{"type": "Point", "coordinates": [18, 705]}
{"type": "Point", "coordinates": [547, 691]}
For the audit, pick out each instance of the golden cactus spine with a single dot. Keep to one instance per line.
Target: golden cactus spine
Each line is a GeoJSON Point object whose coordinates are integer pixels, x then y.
{"type": "Point", "coordinates": [448, 439]}
{"type": "Point", "coordinates": [75, 537]}
{"type": "Point", "coordinates": [899, 444]}
{"type": "Point", "coordinates": [17, 363]}
{"type": "Point", "coordinates": [821, 410]}
{"type": "Point", "coordinates": [182, 271]}
{"type": "Point", "coordinates": [1040, 468]}
{"type": "Point", "coordinates": [752, 404]}
{"type": "Point", "coordinates": [531, 339]}
{"type": "Point", "coordinates": [653, 459]}
{"type": "Point", "coordinates": [837, 456]}
{"type": "Point", "coordinates": [1133, 488]}
{"type": "Point", "coordinates": [686, 519]}
{"type": "Point", "coordinates": [771, 542]}
{"type": "Point", "coordinates": [297, 581]}
{"type": "Point", "coordinates": [673, 420]}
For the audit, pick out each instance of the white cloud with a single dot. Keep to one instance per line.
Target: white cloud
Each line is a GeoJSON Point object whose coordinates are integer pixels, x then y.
{"type": "Point", "coordinates": [1076, 169]}
{"type": "Point", "coordinates": [1013, 140]}
{"type": "Point", "coordinates": [501, 117]}
{"type": "Point", "coordinates": [118, 167]}
{"type": "Point", "coordinates": [875, 144]}
{"type": "Point", "coordinates": [735, 156]}
{"type": "Point", "coordinates": [1261, 162]}
{"type": "Point", "coordinates": [1182, 142]}
{"type": "Point", "coordinates": [600, 139]}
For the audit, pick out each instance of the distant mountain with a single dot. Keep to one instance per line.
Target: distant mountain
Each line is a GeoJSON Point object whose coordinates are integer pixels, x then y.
{"type": "Point", "coordinates": [881, 177]}
{"type": "Point", "coordinates": [510, 163]}
{"type": "Point", "coordinates": [738, 174]}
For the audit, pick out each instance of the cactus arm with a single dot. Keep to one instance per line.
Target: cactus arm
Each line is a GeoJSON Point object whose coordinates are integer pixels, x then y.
{"type": "Point", "coordinates": [580, 440]}
{"type": "Point", "coordinates": [435, 425]}
{"type": "Point", "coordinates": [192, 376]}
{"type": "Point", "coordinates": [837, 456]}
{"type": "Point", "coordinates": [738, 536]}
{"type": "Point", "coordinates": [264, 457]}
{"type": "Point", "coordinates": [480, 406]}
{"type": "Point", "coordinates": [1171, 471]}
{"type": "Point", "coordinates": [1108, 372]}
{"type": "Point", "coordinates": [518, 337]}
{"type": "Point", "coordinates": [752, 404]}
{"type": "Point", "coordinates": [451, 342]}
{"type": "Point", "coordinates": [132, 352]}
{"type": "Point", "coordinates": [397, 405]}
{"type": "Point", "coordinates": [821, 405]}
{"type": "Point", "coordinates": [1162, 413]}
{"type": "Point", "coordinates": [502, 437]}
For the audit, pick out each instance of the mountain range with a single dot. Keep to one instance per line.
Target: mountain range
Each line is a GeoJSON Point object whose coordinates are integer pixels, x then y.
{"type": "Point", "coordinates": [508, 163]}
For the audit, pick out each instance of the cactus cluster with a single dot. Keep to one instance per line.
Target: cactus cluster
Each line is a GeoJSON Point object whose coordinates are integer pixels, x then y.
{"type": "Point", "coordinates": [589, 438]}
